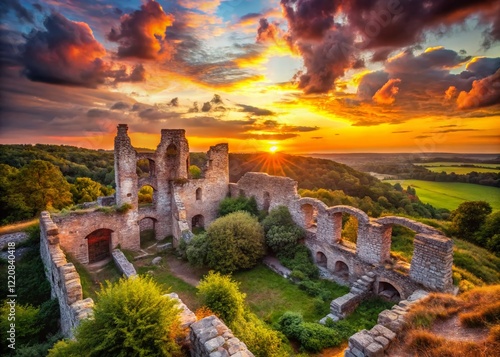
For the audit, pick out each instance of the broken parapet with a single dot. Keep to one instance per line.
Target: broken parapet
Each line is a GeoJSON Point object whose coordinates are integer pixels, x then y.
{"type": "Point", "coordinates": [64, 280]}
{"type": "Point", "coordinates": [187, 317]}
{"type": "Point", "coordinates": [375, 342]}
{"type": "Point", "coordinates": [121, 261]}
{"type": "Point", "coordinates": [180, 227]}
{"type": "Point", "coordinates": [343, 306]}
{"type": "Point", "coordinates": [211, 338]}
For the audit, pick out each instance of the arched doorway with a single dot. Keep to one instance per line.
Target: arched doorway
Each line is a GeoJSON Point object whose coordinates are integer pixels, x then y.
{"type": "Point", "coordinates": [99, 245]}
{"type": "Point", "coordinates": [321, 259]}
{"type": "Point", "coordinates": [197, 223]}
{"type": "Point", "coordinates": [388, 291]}
{"type": "Point", "coordinates": [198, 194]}
{"type": "Point", "coordinates": [341, 270]}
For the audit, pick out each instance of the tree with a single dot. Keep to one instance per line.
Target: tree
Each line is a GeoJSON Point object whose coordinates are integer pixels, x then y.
{"type": "Point", "coordinates": [85, 190]}
{"type": "Point", "coordinates": [241, 203]}
{"type": "Point", "coordinates": [222, 296]}
{"type": "Point", "coordinates": [194, 172]}
{"type": "Point", "coordinates": [43, 186]}
{"type": "Point", "coordinates": [131, 318]}
{"type": "Point", "coordinates": [146, 194]}
{"type": "Point", "coordinates": [489, 234]}
{"type": "Point", "coordinates": [282, 233]}
{"type": "Point", "coordinates": [235, 241]}
{"type": "Point", "coordinates": [350, 230]}
{"type": "Point", "coordinates": [468, 218]}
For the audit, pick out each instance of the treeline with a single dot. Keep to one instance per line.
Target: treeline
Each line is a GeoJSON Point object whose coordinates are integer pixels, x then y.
{"type": "Point", "coordinates": [336, 184]}
{"type": "Point", "coordinates": [72, 161]}
{"type": "Point", "coordinates": [416, 172]}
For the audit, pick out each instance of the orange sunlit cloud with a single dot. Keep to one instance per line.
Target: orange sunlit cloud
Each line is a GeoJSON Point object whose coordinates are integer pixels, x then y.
{"type": "Point", "coordinates": [263, 76]}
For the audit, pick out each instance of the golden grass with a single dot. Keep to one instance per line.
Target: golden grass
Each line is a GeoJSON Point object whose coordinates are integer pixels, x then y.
{"type": "Point", "coordinates": [479, 307]}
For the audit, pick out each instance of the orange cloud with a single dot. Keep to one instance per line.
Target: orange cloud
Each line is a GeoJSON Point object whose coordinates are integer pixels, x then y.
{"type": "Point", "coordinates": [387, 94]}
{"type": "Point", "coordinates": [142, 33]}
{"type": "Point", "coordinates": [484, 92]}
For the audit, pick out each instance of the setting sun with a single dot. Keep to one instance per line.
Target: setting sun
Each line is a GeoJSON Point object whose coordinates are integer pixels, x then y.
{"type": "Point", "coordinates": [273, 149]}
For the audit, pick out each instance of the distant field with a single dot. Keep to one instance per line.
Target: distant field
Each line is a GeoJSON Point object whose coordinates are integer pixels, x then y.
{"type": "Point", "coordinates": [450, 194]}
{"type": "Point", "coordinates": [455, 167]}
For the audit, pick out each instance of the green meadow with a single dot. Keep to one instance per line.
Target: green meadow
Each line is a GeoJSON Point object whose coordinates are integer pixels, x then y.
{"type": "Point", "coordinates": [457, 167]}
{"type": "Point", "coordinates": [450, 194]}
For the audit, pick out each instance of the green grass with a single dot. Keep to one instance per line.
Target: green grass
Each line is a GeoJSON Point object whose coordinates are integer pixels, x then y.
{"type": "Point", "coordinates": [460, 170]}
{"type": "Point", "coordinates": [478, 261]}
{"type": "Point", "coordinates": [451, 194]}
{"type": "Point", "coordinates": [173, 284]}
{"type": "Point", "coordinates": [270, 295]}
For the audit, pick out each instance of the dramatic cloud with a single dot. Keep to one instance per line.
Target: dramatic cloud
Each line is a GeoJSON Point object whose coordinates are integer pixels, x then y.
{"type": "Point", "coordinates": [370, 83]}
{"type": "Point", "coordinates": [267, 31]}
{"type": "Point", "coordinates": [484, 92]}
{"type": "Point", "coordinates": [66, 53]}
{"type": "Point", "coordinates": [142, 33]}
{"type": "Point", "coordinates": [387, 94]}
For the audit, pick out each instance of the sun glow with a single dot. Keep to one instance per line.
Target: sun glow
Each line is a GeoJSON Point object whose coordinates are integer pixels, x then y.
{"type": "Point", "coordinates": [273, 149]}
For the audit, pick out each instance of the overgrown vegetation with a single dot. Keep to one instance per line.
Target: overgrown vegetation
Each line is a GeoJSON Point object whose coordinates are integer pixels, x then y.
{"type": "Point", "coordinates": [37, 315]}
{"type": "Point", "coordinates": [234, 204]}
{"type": "Point", "coordinates": [232, 242]}
{"type": "Point", "coordinates": [135, 319]}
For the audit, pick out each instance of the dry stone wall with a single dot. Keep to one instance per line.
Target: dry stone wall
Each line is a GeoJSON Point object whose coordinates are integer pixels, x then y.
{"type": "Point", "coordinates": [210, 337]}
{"type": "Point", "coordinates": [63, 277]}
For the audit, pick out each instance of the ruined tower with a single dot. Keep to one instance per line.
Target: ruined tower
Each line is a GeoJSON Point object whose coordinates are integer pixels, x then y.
{"type": "Point", "coordinates": [125, 168]}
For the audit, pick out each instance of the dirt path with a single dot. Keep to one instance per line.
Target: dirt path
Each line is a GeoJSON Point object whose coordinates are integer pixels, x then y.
{"type": "Point", "coordinates": [451, 329]}
{"type": "Point", "coordinates": [17, 227]}
{"type": "Point", "coordinates": [181, 269]}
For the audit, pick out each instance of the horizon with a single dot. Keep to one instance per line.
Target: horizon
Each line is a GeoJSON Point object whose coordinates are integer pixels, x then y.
{"type": "Point", "coordinates": [380, 77]}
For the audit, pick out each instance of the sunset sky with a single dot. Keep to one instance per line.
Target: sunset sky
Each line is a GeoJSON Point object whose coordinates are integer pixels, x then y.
{"type": "Point", "coordinates": [298, 76]}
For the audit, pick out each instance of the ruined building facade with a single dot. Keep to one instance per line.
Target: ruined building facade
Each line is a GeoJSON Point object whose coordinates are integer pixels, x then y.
{"type": "Point", "coordinates": [181, 203]}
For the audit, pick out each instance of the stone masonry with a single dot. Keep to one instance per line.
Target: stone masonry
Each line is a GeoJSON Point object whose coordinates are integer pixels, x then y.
{"type": "Point", "coordinates": [211, 338]}
{"type": "Point", "coordinates": [63, 277]}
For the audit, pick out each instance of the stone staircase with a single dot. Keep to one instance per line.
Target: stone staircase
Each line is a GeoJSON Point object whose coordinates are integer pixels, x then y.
{"type": "Point", "coordinates": [343, 306]}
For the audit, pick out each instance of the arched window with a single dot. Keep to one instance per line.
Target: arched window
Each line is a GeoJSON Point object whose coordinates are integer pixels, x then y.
{"type": "Point", "coordinates": [198, 194]}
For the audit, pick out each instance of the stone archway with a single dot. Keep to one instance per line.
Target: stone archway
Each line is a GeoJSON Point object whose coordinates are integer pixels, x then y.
{"type": "Point", "coordinates": [198, 222]}
{"type": "Point", "coordinates": [99, 245]}
{"type": "Point", "coordinates": [321, 259]}
{"type": "Point", "coordinates": [388, 291]}
{"type": "Point", "coordinates": [341, 270]}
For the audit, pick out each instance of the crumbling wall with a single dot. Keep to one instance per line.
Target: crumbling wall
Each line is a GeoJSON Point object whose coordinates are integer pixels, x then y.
{"type": "Point", "coordinates": [74, 227]}
{"type": "Point", "coordinates": [125, 168]}
{"type": "Point", "coordinates": [64, 280]}
{"type": "Point", "coordinates": [269, 191]}
{"type": "Point", "coordinates": [202, 196]}
{"type": "Point", "coordinates": [211, 338]}
{"type": "Point", "coordinates": [180, 226]}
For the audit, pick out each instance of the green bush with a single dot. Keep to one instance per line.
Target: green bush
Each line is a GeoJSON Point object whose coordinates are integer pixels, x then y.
{"type": "Point", "coordinates": [282, 234]}
{"type": "Point", "coordinates": [229, 205]}
{"type": "Point", "coordinates": [196, 250]}
{"type": "Point", "coordinates": [131, 318]}
{"type": "Point", "coordinates": [300, 260]}
{"type": "Point", "coordinates": [235, 241]}
{"type": "Point", "coordinates": [315, 337]}
{"type": "Point", "coordinates": [194, 172]}
{"type": "Point", "coordinates": [124, 208]}
{"type": "Point", "coordinates": [221, 295]}
{"type": "Point", "coordinates": [312, 337]}
{"type": "Point", "coordinates": [279, 216]}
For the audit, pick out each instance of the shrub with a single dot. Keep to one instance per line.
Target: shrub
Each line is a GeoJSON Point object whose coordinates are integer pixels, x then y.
{"type": "Point", "coordinates": [300, 260]}
{"type": "Point", "coordinates": [196, 250]}
{"type": "Point", "coordinates": [194, 172]}
{"type": "Point", "coordinates": [281, 231]}
{"type": "Point", "coordinates": [235, 241]}
{"type": "Point", "coordinates": [221, 295]}
{"type": "Point", "coordinates": [290, 324]}
{"type": "Point", "coordinates": [314, 337]}
{"type": "Point", "coordinates": [229, 205]}
{"type": "Point", "coordinates": [260, 339]}
{"type": "Point", "coordinates": [279, 216]}
{"type": "Point", "coordinates": [483, 316]}
{"type": "Point", "coordinates": [131, 318]}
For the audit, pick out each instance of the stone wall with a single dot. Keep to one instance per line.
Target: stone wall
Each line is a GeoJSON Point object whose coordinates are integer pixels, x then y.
{"type": "Point", "coordinates": [124, 266]}
{"type": "Point", "coordinates": [269, 191]}
{"type": "Point", "coordinates": [74, 227]}
{"type": "Point", "coordinates": [63, 277]}
{"type": "Point", "coordinates": [211, 338]}
{"type": "Point", "coordinates": [375, 342]}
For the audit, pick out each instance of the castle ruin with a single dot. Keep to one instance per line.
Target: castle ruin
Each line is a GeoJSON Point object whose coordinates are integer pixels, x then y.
{"type": "Point", "coordinates": [181, 203]}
